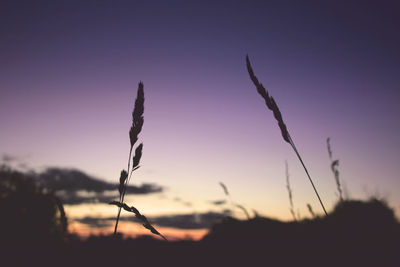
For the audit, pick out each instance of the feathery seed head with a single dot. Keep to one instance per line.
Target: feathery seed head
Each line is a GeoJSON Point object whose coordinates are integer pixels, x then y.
{"type": "Point", "coordinates": [269, 101]}
{"type": "Point", "coordinates": [137, 116]}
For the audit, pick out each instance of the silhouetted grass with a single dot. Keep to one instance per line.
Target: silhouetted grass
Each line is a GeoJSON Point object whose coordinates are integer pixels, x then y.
{"type": "Point", "coordinates": [233, 203]}
{"type": "Point", "coordinates": [309, 207]}
{"type": "Point", "coordinates": [125, 176]}
{"type": "Point", "coordinates": [271, 104]}
{"type": "Point", "coordinates": [289, 189]}
{"type": "Point", "coordinates": [139, 216]}
{"type": "Point", "coordinates": [335, 170]}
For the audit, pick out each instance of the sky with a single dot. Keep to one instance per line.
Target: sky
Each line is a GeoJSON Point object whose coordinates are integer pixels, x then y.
{"type": "Point", "coordinates": [69, 71]}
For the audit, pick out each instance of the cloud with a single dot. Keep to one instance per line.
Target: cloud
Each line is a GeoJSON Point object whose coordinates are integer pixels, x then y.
{"type": "Point", "coordinates": [81, 196]}
{"type": "Point", "coordinates": [190, 221]}
{"type": "Point", "coordinates": [73, 180]}
{"type": "Point", "coordinates": [181, 221]}
{"type": "Point", "coordinates": [103, 222]}
{"type": "Point", "coordinates": [95, 222]}
{"type": "Point", "coordinates": [6, 158]}
{"type": "Point", "coordinates": [76, 187]}
{"type": "Point", "coordinates": [218, 202]}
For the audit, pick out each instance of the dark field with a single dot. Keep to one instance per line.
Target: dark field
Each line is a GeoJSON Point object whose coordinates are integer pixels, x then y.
{"type": "Point", "coordinates": [355, 234]}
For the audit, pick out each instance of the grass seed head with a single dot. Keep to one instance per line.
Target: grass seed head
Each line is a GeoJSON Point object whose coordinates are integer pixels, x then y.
{"type": "Point", "coordinates": [122, 180]}
{"type": "Point", "coordinates": [269, 101]}
{"type": "Point", "coordinates": [138, 156]}
{"type": "Point", "coordinates": [224, 188]}
{"type": "Point", "coordinates": [137, 116]}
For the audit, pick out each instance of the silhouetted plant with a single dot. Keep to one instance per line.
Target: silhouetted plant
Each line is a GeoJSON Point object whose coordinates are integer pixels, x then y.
{"type": "Point", "coordinates": [289, 189]}
{"type": "Point", "coordinates": [309, 207]}
{"type": "Point", "coordinates": [125, 176]}
{"type": "Point", "coordinates": [271, 104]}
{"type": "Point", "coordinates": [232, 203]}
{"type": "Point", "coordinates": [335, 170]}
{"type": "Point", "coordinates": [139, 216]}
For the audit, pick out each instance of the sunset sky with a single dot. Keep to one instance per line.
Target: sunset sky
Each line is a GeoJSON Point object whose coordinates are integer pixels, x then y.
{"type": "Point", "coordinates": [69, 72]}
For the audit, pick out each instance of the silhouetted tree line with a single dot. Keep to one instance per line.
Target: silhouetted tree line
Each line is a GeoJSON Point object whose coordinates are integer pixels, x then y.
{"type": "Point", "coordinates": [28, 211]}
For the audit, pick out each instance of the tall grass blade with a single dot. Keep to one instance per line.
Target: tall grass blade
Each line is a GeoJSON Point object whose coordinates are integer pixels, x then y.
{"type": "Point", "coordinates": [136, 128]}
{"type": "Point", "coordinates": [271, 104]}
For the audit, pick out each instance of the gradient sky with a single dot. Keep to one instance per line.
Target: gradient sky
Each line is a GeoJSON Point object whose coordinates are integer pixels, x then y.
{"type": "Point", "coordinates": [69, 72]}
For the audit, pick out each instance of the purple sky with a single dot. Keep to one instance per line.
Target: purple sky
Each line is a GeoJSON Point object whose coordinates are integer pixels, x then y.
{"type": "Point", "coordinates": [69, 72]}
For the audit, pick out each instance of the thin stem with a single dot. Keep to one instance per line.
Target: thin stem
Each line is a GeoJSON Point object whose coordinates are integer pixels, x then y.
{"type": "Point", "coordinates": [304, 166]}
{"type": "Point", "coordinates": [127, 180]}
{"type": "Point", "coordinates": [116, 222]}
{"type": "Point", "coordinates": [121, 197]}
{"type": "Point", "coordinates": [129, 159]}
{"type": "Point", "coordinates": [289, 191]}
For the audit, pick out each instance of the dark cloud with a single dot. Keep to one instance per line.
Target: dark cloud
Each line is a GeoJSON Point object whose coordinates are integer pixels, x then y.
{"type": "Point", "coordinates": [102, 222]}
{"type": "Point", "coordinates": [190, 221]}
{"type": "Point", "coordinates": [6, 158]}
{"type": "Point", "coordinates": [218, 202]}
{"type": "Point", "coordinates": [80, 197]}
{"type": "Point", "coordinates": [75, 180]}
{"type": "Point", "coordinates": [76, 187]}
{"type": "Point", "coordinates": [95, 222]}
{"type": "Point", "coordinates": [181, 221]}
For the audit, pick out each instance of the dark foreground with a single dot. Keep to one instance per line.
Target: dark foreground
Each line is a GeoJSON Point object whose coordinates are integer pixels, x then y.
{"type": "Point", "coordinates": [354, 234]}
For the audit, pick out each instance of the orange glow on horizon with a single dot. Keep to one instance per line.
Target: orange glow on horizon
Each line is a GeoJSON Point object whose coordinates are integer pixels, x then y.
{"type": "Point", "coordinates": [134, 230]}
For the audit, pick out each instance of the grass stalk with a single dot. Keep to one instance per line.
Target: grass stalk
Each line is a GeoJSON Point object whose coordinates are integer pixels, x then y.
{"type": "Point", "coordinates": [133, 164]}
{"type": "Point", "coordinates": [289, 189]}
{"type": "Point", "coordinates": [232, 203]}
{"type": "Point", "coordinates": [137, 124]}
{"type": "Point", "coordinates": [308, 175]}
{"type": "Point", "coordinates": [311, 211]}
{"type": "Point", "coordinates": [271, 104]}
{"type": "Point", "coordinates": [121, 198]}
{"type": "Point", "coordinates": [335, 170]}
